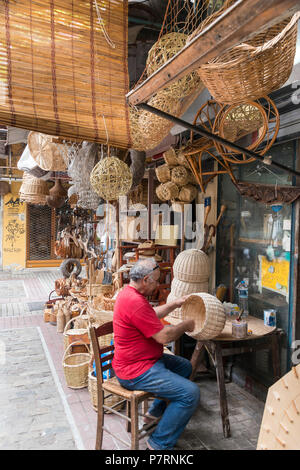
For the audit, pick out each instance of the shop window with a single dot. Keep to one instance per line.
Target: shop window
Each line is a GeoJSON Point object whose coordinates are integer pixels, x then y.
{"type": "Point", "coordinates": [254, 244]}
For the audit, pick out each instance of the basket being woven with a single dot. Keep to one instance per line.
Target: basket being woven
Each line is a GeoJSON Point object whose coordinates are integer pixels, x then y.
{"type": "Point", "coordinates": [192, 266]}
{"type": "Point", "coordinates": [254, 69]}
{"type": "Point", "coordinates": [207, 312]}
{"type": "Point", "coordinates": [76, 367]}
{"type": "Point", "coordinates": [111, 178]}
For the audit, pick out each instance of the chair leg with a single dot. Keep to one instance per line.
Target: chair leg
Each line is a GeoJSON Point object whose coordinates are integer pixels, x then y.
{"type": "Point", "coordinates": [145, 406]}
{"type": "Point", "coordinates": [134, 424]}
{"type": "Point", "coordinates": [128, 414]}
{"type": "Point", "coordinates": [100, 421]}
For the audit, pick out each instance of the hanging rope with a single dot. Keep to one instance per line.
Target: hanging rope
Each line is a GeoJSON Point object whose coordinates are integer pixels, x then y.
{"type": "Point", "coordinates": [101, 23]}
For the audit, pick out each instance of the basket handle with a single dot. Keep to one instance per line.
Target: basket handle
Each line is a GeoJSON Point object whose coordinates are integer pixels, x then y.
{"type": "Point", "coordinates": [72, 344]}
{"type": "Point", "coordinates": [279, 36]}
{"type": "Point", "coordinates": [71, 319]}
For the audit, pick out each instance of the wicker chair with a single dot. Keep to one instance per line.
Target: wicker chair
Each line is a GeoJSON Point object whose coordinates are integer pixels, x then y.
{"type": "Point", "coordinates": [112, 386]}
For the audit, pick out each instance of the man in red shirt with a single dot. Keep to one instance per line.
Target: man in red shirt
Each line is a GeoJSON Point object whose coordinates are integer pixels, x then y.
{"type": "Point", "coordinates": [139, 362]}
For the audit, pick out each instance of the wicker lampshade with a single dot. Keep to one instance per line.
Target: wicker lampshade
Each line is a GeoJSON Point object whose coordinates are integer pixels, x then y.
{"type": "Point", "coordinates": [33, 190]}
{"type": "Point", "coordinates": [180, 288]}
{"type": "Point", "coordinates": [207, 312]}
{"type": "Point", "coordinates": [192, 266]}
{"type": "Point", "coordinates": [111, 178]}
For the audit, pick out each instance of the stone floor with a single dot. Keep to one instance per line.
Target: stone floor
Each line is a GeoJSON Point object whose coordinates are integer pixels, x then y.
{"type": "Point", "coordinates": [39, 411]}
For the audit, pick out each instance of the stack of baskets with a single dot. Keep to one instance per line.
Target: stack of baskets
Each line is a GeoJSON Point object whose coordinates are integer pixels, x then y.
{"type": "Point", "coordinates": [177, 180]}
{"type": "Point", "coordinates": [191, 275]}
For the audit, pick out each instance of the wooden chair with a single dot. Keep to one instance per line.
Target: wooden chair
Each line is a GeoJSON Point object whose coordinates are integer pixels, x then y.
{"type": "Point", "coordinates": [112, 386]}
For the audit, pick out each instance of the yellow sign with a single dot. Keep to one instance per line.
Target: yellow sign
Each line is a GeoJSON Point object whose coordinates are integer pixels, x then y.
{"type": "Point", "coordinates": [14, 231]}
{"type": "Point", "coordinates": [275, 275]}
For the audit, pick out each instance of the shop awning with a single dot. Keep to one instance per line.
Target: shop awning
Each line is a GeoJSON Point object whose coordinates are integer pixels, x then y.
{"type": "Point", "coordinates": [63, 68]}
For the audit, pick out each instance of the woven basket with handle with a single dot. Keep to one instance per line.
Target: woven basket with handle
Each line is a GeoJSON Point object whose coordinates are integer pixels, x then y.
{"type": "Point", "coordinates": [76, 367]}
{"type": "Point", "coordinates": [253, 69]}
{"type": "Point", "coordinates": [207, 312]}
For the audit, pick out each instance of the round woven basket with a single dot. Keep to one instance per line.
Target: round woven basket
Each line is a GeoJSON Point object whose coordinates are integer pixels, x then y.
{"type": "Point", "coordinates": [180, 175]}
{"type": "Point", "coordinates": [75, 334]}
{"type": "Point", "coordinates": [170, 157]}
{"type": "Point", "coordinates": [180, 288]}
{"type": "Point", "coordinates": [182, 160]}
{"type": "Point", "coordinates": [207, 312]}
{"type": "Point", "coordinates": [33, 190]}
{"type": "Point", "coordinates": [47, 154]}
{"type": "Point", "coordinates": [76, 367]}
{"type": "Point", "coordinates": [155, 128]}
{"type": "Point", "coordinates": [111, 178]}
{"type": "Point", "coordinates": [254, 69]}
{"type": "Point", "coordinates": [167, 191]}
{"type": "Point", "coordinates": [165, 48]}
{"type": "Point", "coordinates": [109, 400]}
{"type": "Point", "coordinates": [163, 173]}
{"type": "Point", "coordinates": [187, 193]}
{"type": "Point", "coordinates": [192, 266]}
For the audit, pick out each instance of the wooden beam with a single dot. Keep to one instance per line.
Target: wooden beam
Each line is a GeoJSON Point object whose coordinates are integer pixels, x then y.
{"type": "Point", "coordinates": [237, 24]}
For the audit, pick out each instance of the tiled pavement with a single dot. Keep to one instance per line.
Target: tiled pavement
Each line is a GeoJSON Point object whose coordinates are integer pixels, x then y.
{"type": "Point", "coordinates": [41, 412]}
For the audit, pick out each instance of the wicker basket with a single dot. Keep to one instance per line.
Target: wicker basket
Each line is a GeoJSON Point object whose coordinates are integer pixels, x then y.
{"type": "Point", "coordinates": [163, 173]}
{"type": "Point", "coordinates": [47, 312]}
{"type": "Point", "coordinates": [207, 312]}
{"type": "Point", "coordinates": [47, 154]}
{"type": "Point", "coordinates": [165, 48]}
{"type": "Point", "coordinates": [76, 367]}
{"type": "Point", "coordinates": [187, 193]}
{"type": "Point", "coordinates": [167, 191]}
{"type": "Point", "coordinates": [192, 266]}
{"type": "Point", "coordinates": [180, 175]}
{"type": "Point", "coordinates": [111, 178]}
{"type": "Point", "coordinates": [147, 248]}
{"type": "Point", "coordinates": [75, 334]}
{"type": "Point", "coordinates": [255, 69]}
{"type": "Point", "coordinates": [182, 160]}
{"type": "Point", "coordinates": [108, 303]}
{"type": "Point", "coordinates": [109, 399]}
{"type": "Point", "coordinates": [170, 157]}
{"type": "Point", "coordinates": [33, 190]}
{"type": "Point", "coordinates": [180, 288]}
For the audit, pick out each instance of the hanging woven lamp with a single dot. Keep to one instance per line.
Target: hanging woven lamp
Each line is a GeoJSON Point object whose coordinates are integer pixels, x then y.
{"type": "Point", "coordinates": [111, 178]}
{"type": "Point", "coordinates": [33, 190]}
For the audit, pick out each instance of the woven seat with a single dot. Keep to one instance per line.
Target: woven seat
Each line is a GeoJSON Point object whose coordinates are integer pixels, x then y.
{"type": "Point", "coordinates": [111, 385]}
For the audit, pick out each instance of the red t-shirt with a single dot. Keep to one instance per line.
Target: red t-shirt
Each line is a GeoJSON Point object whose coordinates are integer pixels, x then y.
{"type": "Point", "coordinates": [134, 321]}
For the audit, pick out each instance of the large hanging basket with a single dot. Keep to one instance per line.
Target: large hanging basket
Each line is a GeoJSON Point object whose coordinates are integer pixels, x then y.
{"type": "Point", "coordinates": [33, 190]}
{"type": "Point", "coordinates": [165, 48]}
{"type": "Point", "coordinates": [48, 155]}
{"type": "Point", "coordinates": [111, 178]}
{"type": "Point", "coordinates": [207, 312]}
{"type": "Point", "coordinates": [192, 266]}
{"type": "Point", "coordinates": [253, 69]}
{"type": "Point", "coordinates": [76, 367]}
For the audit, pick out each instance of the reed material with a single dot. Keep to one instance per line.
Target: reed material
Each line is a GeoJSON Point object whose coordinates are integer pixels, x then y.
{"type": "Point", "coordinates": [76, 367]}
{"type": "Point", "coordinates": [192, 266]}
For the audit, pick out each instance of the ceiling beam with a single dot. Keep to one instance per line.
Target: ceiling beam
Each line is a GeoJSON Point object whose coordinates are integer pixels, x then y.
{"type": "Point", "coordinates": [237, 24]}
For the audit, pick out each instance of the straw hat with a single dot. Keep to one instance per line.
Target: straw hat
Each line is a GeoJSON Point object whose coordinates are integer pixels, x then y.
{"type": "Point", "coordinates": [47, 154]}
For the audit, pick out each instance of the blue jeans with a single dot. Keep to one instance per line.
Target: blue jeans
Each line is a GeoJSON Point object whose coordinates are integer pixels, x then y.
{"type": "Point", "coordinates": [168, 378]}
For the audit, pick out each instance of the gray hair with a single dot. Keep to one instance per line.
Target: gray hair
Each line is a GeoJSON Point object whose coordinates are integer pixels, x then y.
{"type": "Point", "coordinates": [142, 268]}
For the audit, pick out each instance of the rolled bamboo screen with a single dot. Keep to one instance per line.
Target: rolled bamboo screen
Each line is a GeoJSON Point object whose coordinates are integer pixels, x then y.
{"type": "Point", "coordinates": [63, 71]}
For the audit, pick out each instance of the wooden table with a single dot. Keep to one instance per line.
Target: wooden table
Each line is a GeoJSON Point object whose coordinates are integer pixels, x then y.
{"type": "Point", "coordinates": [262, 337]}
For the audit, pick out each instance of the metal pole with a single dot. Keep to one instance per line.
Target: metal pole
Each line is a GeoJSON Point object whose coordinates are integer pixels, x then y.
{"type": "Point", "coordinates": [200, 130]}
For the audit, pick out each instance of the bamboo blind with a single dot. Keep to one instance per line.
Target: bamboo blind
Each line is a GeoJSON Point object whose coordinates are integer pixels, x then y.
{"type": "Point", "coordinates": [62, 71]}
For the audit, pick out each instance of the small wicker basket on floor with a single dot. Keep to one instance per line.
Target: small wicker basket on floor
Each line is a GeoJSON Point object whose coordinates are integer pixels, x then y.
{"type": "Point", "coordinates": [76, 367]}
{"type": "Point", "coordinates": [207, 312]}
{"type": "Point", "coordinates": [75, 334]}
{"type": "Point", "coordinates": [109, 399]}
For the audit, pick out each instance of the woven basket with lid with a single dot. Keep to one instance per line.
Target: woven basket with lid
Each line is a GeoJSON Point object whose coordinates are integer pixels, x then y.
{"type": "Point", "coordinates": [192, 266]}
{"type": "Point", "coordinates": [76, 367]}
{"type": "Point", "coordinates": [207, 312]}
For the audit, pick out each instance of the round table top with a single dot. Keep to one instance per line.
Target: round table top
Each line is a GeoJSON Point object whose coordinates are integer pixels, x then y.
{"type": "Point", "coordinates": [255, 325]}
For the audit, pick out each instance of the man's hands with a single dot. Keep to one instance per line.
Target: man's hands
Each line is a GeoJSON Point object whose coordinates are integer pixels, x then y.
{"type": "Point", "coordinates": [179, 302]}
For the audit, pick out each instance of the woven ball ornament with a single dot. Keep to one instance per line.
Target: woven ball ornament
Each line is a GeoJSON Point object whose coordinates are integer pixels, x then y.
{"type": "Point", "coordinates": [111, 178]}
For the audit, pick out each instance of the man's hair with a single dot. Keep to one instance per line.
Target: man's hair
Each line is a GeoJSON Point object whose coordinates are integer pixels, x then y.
{"type": "Point", "coordinates": [142, 268]}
